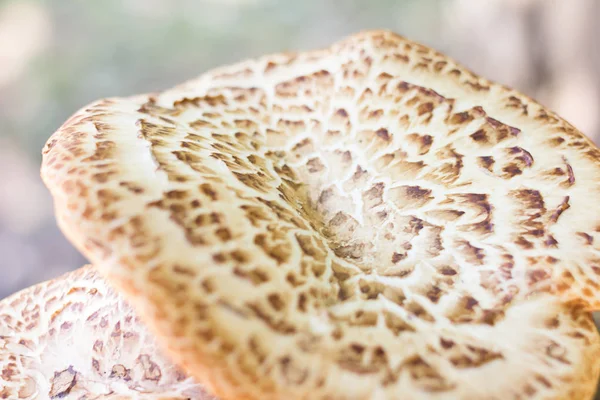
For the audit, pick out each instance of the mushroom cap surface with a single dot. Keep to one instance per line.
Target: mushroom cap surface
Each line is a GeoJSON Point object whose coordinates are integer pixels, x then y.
{"type": "Point", "coordinates": [371, 220]}
{"type": "Point", "coordinates": [75, 338]}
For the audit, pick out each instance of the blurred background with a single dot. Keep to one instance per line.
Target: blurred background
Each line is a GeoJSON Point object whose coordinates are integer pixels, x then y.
{"type": "Point", "coordinates": [58, 55]}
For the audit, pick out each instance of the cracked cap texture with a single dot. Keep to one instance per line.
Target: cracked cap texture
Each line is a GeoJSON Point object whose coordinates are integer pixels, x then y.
{"type": "Point", "coordinates": [366, 221]}
{"type": "Point", "coordinates": [75, 338]}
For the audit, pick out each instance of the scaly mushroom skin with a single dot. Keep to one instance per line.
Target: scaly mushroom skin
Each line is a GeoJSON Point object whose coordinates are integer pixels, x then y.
{"type": "Point", "coordinates": [367, 221]}
{"type": "Point", "coordinates": [75, 338]}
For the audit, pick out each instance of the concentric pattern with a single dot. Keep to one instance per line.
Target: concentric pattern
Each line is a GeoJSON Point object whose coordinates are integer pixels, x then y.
{"type": "Point", "coordinates": [74, 338]}
{"type": "Point", "coordinates": [357, 222]}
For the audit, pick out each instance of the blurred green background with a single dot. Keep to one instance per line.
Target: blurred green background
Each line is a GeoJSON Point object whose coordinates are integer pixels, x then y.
{"type": "Point", "coordinates": [58, 55]}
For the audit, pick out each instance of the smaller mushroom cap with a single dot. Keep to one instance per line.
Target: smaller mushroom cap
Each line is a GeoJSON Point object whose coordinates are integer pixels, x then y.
{"type": "Point", "coordinates": [75, 338]}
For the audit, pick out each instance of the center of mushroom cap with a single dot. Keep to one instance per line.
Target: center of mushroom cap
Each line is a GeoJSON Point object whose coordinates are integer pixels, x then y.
{"type": "Point", "coordinates": [375, 192]}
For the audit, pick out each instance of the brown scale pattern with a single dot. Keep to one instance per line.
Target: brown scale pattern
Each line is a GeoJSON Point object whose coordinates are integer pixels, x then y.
{"type": "Point", "coordinates": [75, 338]}
{"type": "Point", "coordinates": [356, 222]}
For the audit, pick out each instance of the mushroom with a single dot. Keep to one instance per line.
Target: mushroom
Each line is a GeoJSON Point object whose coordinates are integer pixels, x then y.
{"type": "Point", "coordinates": [75, 338]}
{"type": "Point", "coordinates": [367, 221]}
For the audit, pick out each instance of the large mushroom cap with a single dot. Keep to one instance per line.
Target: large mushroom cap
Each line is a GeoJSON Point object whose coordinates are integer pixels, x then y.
{"type": "Point", "coordinates": [371, 220]}
{"type": "Point", "coordinates": [75, 338]}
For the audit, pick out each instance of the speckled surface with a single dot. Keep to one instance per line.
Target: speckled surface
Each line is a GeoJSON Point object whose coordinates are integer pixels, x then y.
{"type": "Point", "coordinates": [393, 177]}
